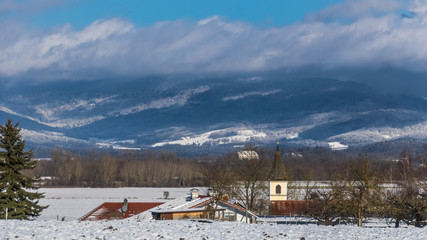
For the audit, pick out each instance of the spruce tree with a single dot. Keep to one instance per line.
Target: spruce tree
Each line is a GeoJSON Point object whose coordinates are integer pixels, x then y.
{"type": "Point", "coordinates": [18, 193]}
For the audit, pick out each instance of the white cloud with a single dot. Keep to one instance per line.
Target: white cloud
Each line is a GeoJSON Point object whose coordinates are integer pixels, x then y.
{"type": "Point", "coordinates": [207, 20]}
{"type": "Point", "coordinates": [62, 50]}
{"type": "Point", "coordinates": [377, 36]}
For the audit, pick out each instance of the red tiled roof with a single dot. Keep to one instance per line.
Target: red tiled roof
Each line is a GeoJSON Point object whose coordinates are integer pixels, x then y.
{"type": "Point", "coordinates": [284, 208]}
{"type": "Point", "coordinates": [111, 210]}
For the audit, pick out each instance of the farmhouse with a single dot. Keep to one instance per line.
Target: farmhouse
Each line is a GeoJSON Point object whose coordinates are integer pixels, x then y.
{"type": "Point", "coordinates": [201, 206]}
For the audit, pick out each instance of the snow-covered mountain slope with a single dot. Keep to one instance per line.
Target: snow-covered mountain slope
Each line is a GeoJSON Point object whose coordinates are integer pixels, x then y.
{"type": "Point", "coordinates": [175, 111]}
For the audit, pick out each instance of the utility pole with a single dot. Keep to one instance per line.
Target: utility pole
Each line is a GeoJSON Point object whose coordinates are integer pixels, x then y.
{"type": "Point", "coordinates": [246, 213]}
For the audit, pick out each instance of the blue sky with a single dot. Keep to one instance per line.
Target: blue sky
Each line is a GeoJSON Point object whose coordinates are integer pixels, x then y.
{"type": "Point", "coordinates": [46, 40]}
{"type": "Point", "coordinates": [142, 13]}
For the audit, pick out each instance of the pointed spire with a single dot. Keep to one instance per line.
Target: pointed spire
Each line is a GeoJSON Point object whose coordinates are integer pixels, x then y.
{"type": "Point", "coordinates": [278, 171]}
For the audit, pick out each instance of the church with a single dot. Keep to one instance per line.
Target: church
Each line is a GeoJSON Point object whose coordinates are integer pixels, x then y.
{"type": "Point", "coordinates": [278, 196]}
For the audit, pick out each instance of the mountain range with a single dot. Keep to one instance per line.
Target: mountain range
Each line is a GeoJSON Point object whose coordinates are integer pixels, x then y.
{"type": "Point", "coordinates": [221, 111]}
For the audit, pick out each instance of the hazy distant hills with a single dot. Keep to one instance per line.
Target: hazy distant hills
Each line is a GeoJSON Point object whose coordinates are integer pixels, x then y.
{"type": "Point", "coordinates": [222, 111]}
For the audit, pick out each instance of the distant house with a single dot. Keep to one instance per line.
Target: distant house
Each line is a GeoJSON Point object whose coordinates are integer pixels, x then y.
{"type": "Point", "coordinates": [185, 208]}
{"type": "Point", "coordinates": [202, 207]}
{"type": "Point", "coordinates": [232, 211]}
{"type": "Point", "coordinates": [247, 155]}
{"type": "Point", "coordinates": [196, 213]}
{"type": "Point", "coordinates": [114, 210]}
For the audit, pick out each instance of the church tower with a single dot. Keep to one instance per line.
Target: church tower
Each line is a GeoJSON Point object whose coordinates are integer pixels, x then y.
{"type": "Point", "coordinates": [278, 180]}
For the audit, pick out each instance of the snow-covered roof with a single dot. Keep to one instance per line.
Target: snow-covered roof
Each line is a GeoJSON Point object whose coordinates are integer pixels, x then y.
{"type": "Point", "coordinates": [180, 204]}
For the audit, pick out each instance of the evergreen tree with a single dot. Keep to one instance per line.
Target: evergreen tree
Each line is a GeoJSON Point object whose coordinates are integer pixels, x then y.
{"type": "Point", "coordinates": [18, 193]}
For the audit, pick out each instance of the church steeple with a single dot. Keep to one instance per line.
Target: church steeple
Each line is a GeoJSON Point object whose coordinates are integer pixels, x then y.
{"type": "Point", "coordinates": [278, 171]}
{"type": "Point", "coordinates": [278, 180]}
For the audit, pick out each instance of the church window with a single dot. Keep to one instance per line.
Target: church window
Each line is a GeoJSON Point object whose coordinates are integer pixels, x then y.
{"type": "Point", "coordinates": [278, 189]}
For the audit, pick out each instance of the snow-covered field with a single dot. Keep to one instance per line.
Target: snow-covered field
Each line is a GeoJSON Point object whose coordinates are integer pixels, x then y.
{"type": "Point", "coordinates": [74, 203]}
{"type": "Point", "coordinates": [185, 229]}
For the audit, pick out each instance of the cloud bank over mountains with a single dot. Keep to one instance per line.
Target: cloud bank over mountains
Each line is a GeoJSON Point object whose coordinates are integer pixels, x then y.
{"type": "Point", "coordinates": [354, 34]}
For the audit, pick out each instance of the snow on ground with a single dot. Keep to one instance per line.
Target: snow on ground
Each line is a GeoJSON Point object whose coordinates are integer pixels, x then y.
{"type": "Point", "coordinates": [221, 136]}
{"type": "Point", "coordinates": [72, 203]}
{"type": "Point", "coordinates": [371, 135]}
{"type": "Point", "coordinates": [337, 146]}
{"type": "Point", "coordinates": [188, 229]}
{"type": "Point", "coordinates": [49, 137]}
{"type": "Point", "coordinates": [248, 94]}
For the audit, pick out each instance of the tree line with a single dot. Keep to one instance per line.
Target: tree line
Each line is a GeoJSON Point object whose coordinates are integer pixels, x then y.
{"type": "Point", "coordinates": [128, 169]}
{"type": "Point", "coordinates": [359, 192]}
{"type": "Point", "coordinates": [358, 188]}
{"type": "Point", "coordinates": [150, 168]}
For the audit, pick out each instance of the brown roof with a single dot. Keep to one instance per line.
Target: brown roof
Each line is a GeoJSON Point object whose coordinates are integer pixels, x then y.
{"type": "Point", "coordinates": [111, 210]}
{"type": "Point", "coordinates": [278, 171]}
{"type": "Point", "coordinates": [285, 208]}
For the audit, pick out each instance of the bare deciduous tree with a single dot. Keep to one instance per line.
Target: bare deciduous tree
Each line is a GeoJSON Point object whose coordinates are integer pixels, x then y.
{"type": "Point", "coordinates": [68, 169]}
{"type": "Point", "coordinates": [107, 169]}
{"type": "Point", "coordinates": [252, 185]}
{"type": "Point", "coordinates": [325, 202]}
{"type": "Point", "coordinates": [363, 192]}
{"type": "Point", "coordinates": [221, 179]}
{"type": "Point", "coordinates": [407, 202]}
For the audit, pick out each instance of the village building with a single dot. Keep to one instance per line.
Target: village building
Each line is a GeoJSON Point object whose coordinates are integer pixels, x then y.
{"type": "Point", "coordinates": [278, 180]}
{"type": "Point", "coordinates": [202, 207]}
{"type": "Point", "coordinates": [199, 206]}
{"type": "Point", "coordinates": [247, 155]}
{"type": "Point", "coordinates": [193, 206]}
{"type": "Point", "coordinates": [279, 203]}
